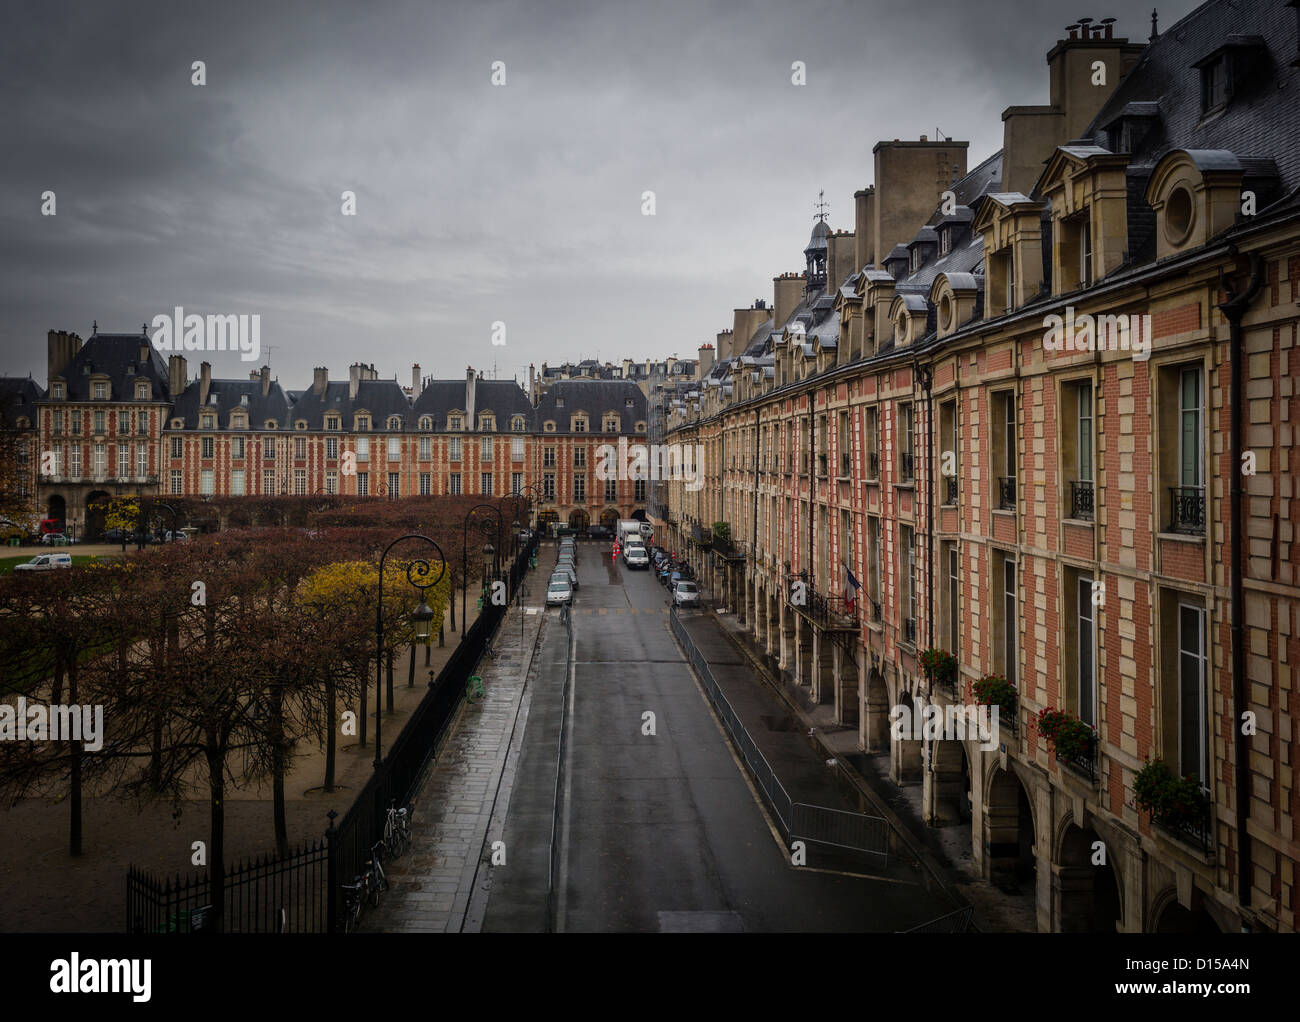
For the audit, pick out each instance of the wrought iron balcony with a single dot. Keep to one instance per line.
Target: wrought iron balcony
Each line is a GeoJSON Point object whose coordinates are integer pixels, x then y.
{"type": "Point", "coordinates": [1187, 509]}
{"type": "Point", "coordinates": [701, 535]}
{"type": "Point", "coordinates": [1195, 829]}
{"type": "Point", "coordinates": [950, 489]}
{"type": "Point", "coordinates": [1081, 498]}
{"type": "Point", "coordinates": [905, 466]}
{"type": "Point", "coordinates": [909, 630]}
{"type": "Point", "coordinates": [831, 612]}
{"type": "Point", "coordinates": [876, 611]}
{"type": "Point", "coordinates": [1007, 493]}
{"type": "Point", "coordinates": [1084, 762]}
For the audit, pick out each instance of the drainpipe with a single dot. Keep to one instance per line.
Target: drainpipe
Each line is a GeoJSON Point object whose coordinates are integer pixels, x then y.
{"type": "Point", "coordinates": [1234, 308]}
{"type": "Point", "coordinates": [924, 376]}
{"type": "Point", "coordinates": [753, 534]}
{"type": "Point", "coordinates": [812, 486]}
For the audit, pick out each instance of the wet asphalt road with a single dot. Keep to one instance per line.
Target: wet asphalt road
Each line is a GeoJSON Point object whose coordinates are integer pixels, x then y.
{"type": "Point", "coordinates": [652, 833]}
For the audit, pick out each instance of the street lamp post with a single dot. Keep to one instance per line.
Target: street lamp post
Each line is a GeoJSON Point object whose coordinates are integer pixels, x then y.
{"type": "Point", "coordinates": [417, 573]}
{"type": "Point", "coordinates": [464, 557]}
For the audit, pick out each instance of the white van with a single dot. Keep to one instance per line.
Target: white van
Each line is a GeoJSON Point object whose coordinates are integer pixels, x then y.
{"type": "Point", "coordinates": [46, 562]}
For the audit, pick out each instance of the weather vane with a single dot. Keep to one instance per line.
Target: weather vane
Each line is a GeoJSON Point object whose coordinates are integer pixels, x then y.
{"type": "Point", "coordinates": [821, 207]}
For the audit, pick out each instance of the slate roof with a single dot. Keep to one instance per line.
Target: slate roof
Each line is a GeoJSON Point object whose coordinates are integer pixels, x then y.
{"type": "Point", "coordinates": [1260, 118]}
{"type": "Point", "coordinates": [230, 395]}
{"type": "Point", "coordinates": [18, 397]}
{"type": "Point", "coordinates": [117, 356]}
{"type": "Point", "coordinates": [596, 398]}
{"type": "Point", "coordinates": [503, 398]}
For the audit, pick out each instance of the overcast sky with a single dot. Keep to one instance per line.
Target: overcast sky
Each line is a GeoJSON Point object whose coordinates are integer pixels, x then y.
{"type": "Point", "coordinates": [475, 203]}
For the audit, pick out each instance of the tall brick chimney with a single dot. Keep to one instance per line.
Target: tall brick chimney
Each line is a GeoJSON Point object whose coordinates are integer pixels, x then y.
{"type": "Point", "coordinates": [911, 178]}
{"type": "Point", "coordinates": [415, 381]}
{"type": "Point", "coordinates": [320, 378]}
{"type": "Point", "coordinates": [864, 204]}
{"type": "Point", "coordinates": [787, 289]}
{"type": "Point", "coordinates": [266, 380]}
{"type": "Point", "coordinates": [471, 388]}
{"type": "Point", "coordinates": [205, 381]}
{"type": "Point", "coordinates": [354, 380]}
{"type": "Point", "coordinates": [177, 373]}
{"type": "Point", "coordinates": [706, 361]}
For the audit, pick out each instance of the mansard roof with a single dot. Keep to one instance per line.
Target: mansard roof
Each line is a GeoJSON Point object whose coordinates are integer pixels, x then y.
{"type": "Point", "coordinates": [595, 397]}
{"type": "Point", "coordinates": [230, 395]}
{"type": "Point", "coordinates": [116, 356]}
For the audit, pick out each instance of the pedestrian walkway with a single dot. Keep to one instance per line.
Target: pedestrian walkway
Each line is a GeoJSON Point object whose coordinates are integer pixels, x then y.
{"type": "Point", "coordinates": [431, 885]}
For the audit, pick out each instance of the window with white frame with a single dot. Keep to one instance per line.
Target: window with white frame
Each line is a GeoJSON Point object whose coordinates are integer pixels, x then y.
{"type": "Point", "coordinates": [237, 482]}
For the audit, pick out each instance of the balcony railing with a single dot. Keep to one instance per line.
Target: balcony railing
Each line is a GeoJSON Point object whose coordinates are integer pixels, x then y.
{"type": "Point", "coordinates": [1007, 493]}
{"type": "Point", "coordinates": [1194, 829]}
{"type": "Point", "coordinates": [909, 630]}
{"type": "Point", "coordinates": [1083, 762]}
{"type": "Point", "coordinates": [1187, 509]}
{"type": "Point", "coordinates": [701, 535]}
{"type": "Point", "coordinates": [876, 611]}
{"type": "Point", "coordinates": [905, 466]}
{"type": "Point", "coordinates": [873, 465]}
{"type": "Point", "coordinates": [831, 611]}
{"type": "Point", "coordinates": [950, 489]}
{"type": "Point", "coordinates": [1081, 499]}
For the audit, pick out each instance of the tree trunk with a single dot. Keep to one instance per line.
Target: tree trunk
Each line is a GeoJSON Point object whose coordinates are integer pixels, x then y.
{"type": "Point", "coordinates": [216, 831]}
{"type": "Point", "coordinates": [277, 771]}
{"type": "Point", "coordinates": [330, 713]}
{"type": "Point", "coordinates": [74, 787]}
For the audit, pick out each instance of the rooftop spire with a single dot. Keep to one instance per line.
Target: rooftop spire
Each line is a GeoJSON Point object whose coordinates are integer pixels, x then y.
{"type": "Point", "coordinates": [821, 213]}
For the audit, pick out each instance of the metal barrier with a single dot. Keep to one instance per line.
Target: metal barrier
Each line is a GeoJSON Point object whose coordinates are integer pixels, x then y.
{"type": "Point", "coordinates": [801, 821]}
{"type": "Point", "coordinates": [953, 922]}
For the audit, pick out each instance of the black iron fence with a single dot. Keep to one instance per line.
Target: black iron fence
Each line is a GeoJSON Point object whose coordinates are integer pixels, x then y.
{"type": "Point", "coordinates": [262, 895]}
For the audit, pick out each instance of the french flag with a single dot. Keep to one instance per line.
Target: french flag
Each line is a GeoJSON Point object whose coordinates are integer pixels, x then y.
{"type": "Point", "coordinates": [851, 587]}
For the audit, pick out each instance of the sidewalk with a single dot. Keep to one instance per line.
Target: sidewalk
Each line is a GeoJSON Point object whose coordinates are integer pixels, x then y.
{"type": "Point", "coordinates": [431, 885]}
{"type": "Point", "coordinates": [798, 761]}
{"type": "Point", "coordinates": [944, 852]}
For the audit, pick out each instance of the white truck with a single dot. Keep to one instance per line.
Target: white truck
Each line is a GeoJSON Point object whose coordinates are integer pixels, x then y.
{"type": "Point", "coordinates": [628, 527]}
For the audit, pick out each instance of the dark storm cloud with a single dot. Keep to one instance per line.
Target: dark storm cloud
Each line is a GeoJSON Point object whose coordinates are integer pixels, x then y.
{"type": "Point", "coordinates": [475, 203]}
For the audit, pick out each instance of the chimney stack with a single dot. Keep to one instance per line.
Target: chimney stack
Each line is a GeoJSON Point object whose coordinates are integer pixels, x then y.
{"type": "Point", "coordinates": [354, 380]}
{"type": "Point", "coordinates": [706, 361]}
{"type": "Point", "coordinates": [471, 386]}
{"type": "Point", "coordinates": [205, 381]}
{"type": "Point", "coordinates": [176, 375]}
{"type": "Point", "coordinates": [787, 289]}
{"type": "Point", "coordinates": [62, 349]}
{"type": "Point", "coordinates": [266, 380]}
{"type": "Point", "coordinates": [863, 206]}
{"type": "Point", "coordinates": [320, 380]}
{"type": "Point", "coordinates": [415, 381]}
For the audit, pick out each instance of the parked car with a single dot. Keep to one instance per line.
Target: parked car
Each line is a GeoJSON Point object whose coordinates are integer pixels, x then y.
{"type": "Point", "coordinates": [558, 591]}
{"type": "Point", "coordinates": [567, 571]}
{"type": "Point", "coordinates": [686, 594]}
{"type": "Point", "coordinates": [54, 539]}
{"type": "Point", "coordinates": [599, 532]}
{"type": "Point", "coordinates": [177, 537]}
{"type": "Point", "coordinates": [635, 557]}
{"type": "Point", "coordinates": [46, 562]}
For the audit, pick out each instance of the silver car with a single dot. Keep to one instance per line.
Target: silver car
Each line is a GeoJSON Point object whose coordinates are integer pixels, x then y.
{"type": "Point", "coordinates": [686, 594]}
{"type": "Point", "coordinates": [566, 572]}
{"type": "Point", "coordinates": [558, 591]}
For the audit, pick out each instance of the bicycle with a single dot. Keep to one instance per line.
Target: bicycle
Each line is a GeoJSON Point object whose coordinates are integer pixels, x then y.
{"type": "Point", "coordinates": [376, 879]}
{"type": "Point", "coordinates": [354, 900]}
{"type": "Point", "coordinates": [397, 831]}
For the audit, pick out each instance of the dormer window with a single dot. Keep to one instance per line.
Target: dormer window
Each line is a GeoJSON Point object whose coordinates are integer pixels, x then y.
{"type": "Point", "coordinates": [331, 422]}
{"type": "Point", "coordinates": [363, 423]}
{"type": "Point", "coordinates": [56, 392]}
{"type": "Point", "coordinates": [559, 402]}
{"type": "Point", "coordinates": [394, 422]}
{"type": "Point", "coordinates": [454, 423]}
{"type": "Point", "coordinates": [1214, 84]}
{"type": "Point", "coordinates": [207, 422]}
{"type": "Point", "coordinates": [517, 424]}
{"type": "Point", "coordinates": [916, 259]}
{"type": "Point", "coordinates": [487, 423]}
{"type": "Point", "coordinates": [142, 392]}
{"type": "Point", "coordinates": [611, 424]}
{"type": "Point", "coordinates": [550, 426]}
{"type": "Point", "coordinates": [578, 424]}
{"type": "Point", "coordinates": [945, 241]}
{"type": "Point", "coordinates": [426, 422]}
{"type": "Point", "coordinates": [101, 391]}
{"type": "Point", "coordinates": [300, 424]}
{"type": "Point", "coordinates": [271, 424]}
